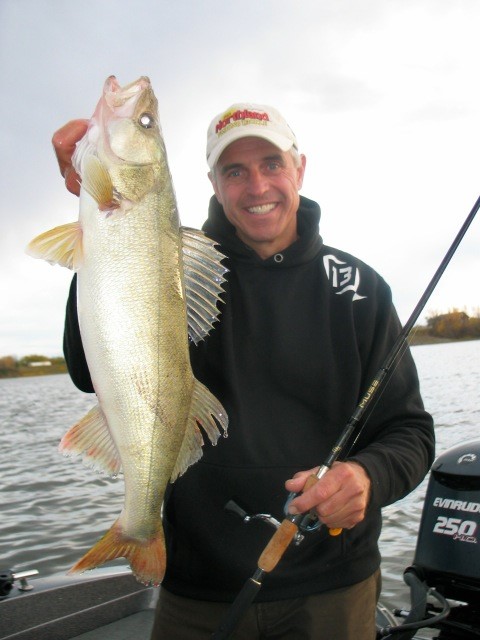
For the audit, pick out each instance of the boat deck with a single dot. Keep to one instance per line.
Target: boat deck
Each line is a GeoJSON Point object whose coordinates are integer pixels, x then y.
{"type": "Point", "coordinates": [101, 604]}
{"type": "Point", "coordinates": [135, 627]}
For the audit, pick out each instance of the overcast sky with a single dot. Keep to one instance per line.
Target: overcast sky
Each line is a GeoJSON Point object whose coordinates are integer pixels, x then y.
{"type": "Point", "coordinates": [383, 96]}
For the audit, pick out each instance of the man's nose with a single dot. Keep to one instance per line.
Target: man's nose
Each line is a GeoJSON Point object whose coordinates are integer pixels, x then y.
{"type": "Point", "coordinates": [257, 182]}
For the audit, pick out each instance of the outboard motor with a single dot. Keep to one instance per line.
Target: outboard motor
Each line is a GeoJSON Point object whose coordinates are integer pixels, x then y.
{"type": "Point", "coordinates": [447, 556]}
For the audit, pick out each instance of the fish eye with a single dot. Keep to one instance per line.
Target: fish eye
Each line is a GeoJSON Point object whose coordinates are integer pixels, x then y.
{"type": "Point", "coordinates": [146, 121]}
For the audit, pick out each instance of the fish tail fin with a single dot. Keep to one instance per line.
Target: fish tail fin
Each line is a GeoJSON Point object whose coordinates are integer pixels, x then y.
{"type": "Point", "coordinates": [147, 559]}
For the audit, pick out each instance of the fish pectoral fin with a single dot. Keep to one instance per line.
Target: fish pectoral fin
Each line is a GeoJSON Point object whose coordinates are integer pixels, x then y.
{"type": "Point", "coordinates": [62, 245]}
{"type": "Point", "coordinates": [97, 182]}
{"type": "Point", "coordinates": [206, 411]}
{"type": "Point", "coordinates": [91, 439]}
{"type": "Point", "coordinates": [147, 558]}
{"type": "Point", "coordinates": [204, 276]}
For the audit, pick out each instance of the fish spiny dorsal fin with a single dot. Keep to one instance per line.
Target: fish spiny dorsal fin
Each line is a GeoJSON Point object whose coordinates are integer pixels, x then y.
{"type": "Point", "coordinates": [91, 439]}
{"type": "Point", "coordinates": [204, 275]}
{"type": "Point", "coordinates": [62, 245]}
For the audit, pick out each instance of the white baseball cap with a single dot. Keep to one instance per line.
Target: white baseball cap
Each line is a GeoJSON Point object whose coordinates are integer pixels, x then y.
{"type": "Point", "coordinates": [243, 120]}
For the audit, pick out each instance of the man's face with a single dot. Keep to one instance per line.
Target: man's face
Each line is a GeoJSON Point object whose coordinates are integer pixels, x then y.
{"type": "Point", "coordinates": [257, 184]}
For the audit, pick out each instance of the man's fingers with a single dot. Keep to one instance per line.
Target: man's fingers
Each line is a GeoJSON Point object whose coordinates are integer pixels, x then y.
{"type": "Point", "coordinates": [317, 495]}
{"type": "Point", "coordinates": [64, 142]}
{"type": "Point", "coordinates": [297, 483]}
{"type": "Point", "coordinates": [339, 498]}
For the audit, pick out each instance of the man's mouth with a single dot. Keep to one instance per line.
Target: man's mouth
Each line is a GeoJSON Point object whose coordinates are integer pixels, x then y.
{"type": "Point", "coordinates": [261, 209]}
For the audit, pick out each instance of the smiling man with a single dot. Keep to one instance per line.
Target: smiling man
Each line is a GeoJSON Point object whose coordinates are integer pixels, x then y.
{"type": "Point", "coordinates": [303, 330]}
{"type": "Point", "coordinates": [257, 184]}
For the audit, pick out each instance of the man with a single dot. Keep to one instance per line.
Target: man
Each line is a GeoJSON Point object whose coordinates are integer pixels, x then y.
{"type": "Point", "coordinates": [304, 329]}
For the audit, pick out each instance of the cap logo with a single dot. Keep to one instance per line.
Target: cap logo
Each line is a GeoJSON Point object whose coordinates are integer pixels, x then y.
{"type": "Point", "coordinates": [244, 120]}
{"type": "Point", "coordinates": [238, 118]}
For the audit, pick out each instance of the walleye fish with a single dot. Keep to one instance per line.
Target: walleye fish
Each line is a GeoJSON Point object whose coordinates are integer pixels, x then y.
{"type": "Point", "coordinates": [145, 285]}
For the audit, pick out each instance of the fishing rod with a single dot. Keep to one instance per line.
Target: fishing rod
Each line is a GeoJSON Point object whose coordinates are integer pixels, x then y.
{"type": "Point", "coordinates": [290, 527]}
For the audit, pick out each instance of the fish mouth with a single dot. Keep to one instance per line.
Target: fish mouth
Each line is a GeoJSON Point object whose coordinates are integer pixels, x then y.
{"type": "Point", "coordinates": [117, 96]}
{"type": "Point", "coordinates": [111, 84]}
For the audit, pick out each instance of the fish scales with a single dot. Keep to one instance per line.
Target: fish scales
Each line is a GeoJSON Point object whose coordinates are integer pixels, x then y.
{"type": "Point", "coordinates": [137, 283]}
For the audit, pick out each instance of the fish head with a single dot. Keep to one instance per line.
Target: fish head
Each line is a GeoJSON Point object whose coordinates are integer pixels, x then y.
{"type": "Point", "coordinates": [128, 122]}
{"type": "Point", "coordinates": [124, 134]}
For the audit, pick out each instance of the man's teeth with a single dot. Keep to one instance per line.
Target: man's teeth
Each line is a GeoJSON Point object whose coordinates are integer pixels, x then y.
{"type": "Point", "coordinates": [262, 208]}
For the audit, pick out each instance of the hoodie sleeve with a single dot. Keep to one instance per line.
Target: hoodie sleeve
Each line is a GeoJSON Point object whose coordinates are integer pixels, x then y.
{"type": "Point", "coordinates": [397, 445]}
{"type": "Point", "coordinates": [72, 344]}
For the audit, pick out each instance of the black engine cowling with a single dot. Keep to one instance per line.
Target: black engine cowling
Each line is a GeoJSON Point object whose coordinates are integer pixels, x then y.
{"type": "Point", "coordinates": [448, 544]}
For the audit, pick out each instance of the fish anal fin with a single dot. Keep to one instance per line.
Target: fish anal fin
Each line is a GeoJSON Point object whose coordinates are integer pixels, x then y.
{"type": "Point", "coordinates": [91, 439]}
{"type": "Point", "coordinates": [204, 276]}
{"type": "Point", "coordinates": [147, 558]}
{"type": "Point", "coordinates": [206, 411]}
{"type": "Point", "coordinates": [62, 245]}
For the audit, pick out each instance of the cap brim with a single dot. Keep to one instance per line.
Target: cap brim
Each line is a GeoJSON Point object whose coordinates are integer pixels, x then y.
{"type": "Point", "coordinates": [282, 142]}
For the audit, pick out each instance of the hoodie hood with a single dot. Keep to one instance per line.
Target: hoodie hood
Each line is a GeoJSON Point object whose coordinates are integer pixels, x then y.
{"type": "Point", "coordinates": [305, 248]}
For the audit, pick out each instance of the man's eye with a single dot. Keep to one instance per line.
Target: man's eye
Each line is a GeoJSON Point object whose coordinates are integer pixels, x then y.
{"type": "Point", "coordinates": [273, 166]}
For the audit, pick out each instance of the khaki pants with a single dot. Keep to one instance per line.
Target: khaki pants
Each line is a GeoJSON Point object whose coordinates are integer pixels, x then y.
{"type": "Point", "coordinates": [342, 614]}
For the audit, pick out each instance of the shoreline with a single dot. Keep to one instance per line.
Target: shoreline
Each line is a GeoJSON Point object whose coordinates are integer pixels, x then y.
{"type": "Point", "coordinates": [420, 340]}
{"type": "Point", "coordinates": [28, 372]}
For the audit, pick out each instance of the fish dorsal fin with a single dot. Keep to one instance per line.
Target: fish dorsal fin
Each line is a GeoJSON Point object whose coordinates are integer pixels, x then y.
{"type": "Point", "coordinates": [206, 411]}
{"type": "Point", "coordinates": [62, 245]}
{"type": "Point", "coordinates": [203, 273]}
{"type": "Point", "coordinates": [91, 439]}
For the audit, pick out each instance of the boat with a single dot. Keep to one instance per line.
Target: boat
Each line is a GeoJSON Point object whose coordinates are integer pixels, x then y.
{"type": "Point", "coordinates": [444, 579]}
{"type": "Point", "coordinates": [106, 604]}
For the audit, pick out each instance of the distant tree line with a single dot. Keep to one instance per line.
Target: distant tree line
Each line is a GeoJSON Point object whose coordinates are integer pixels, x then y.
{"type": "Point", "coordinates": [11, 367]}
{"type": "Point", "coordinates": [454, 325]}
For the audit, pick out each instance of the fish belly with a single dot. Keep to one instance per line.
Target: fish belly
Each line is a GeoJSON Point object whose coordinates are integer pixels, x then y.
{"type": "Point", "coordinates": [133, 323]}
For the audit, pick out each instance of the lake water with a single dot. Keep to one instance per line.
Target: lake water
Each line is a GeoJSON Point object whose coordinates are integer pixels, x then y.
{"type": "Point", "coordinates": [53, 508]}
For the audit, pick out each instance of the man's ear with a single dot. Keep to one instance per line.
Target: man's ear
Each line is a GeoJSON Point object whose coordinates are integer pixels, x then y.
{"type": "Point", "coordinates": [301, 171]}
{"type": "Point", "coordinates": [211, 177]}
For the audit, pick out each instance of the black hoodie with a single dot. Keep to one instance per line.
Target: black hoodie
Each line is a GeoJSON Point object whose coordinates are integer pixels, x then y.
{"type": "Point", "coordinates": [300, 337]}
